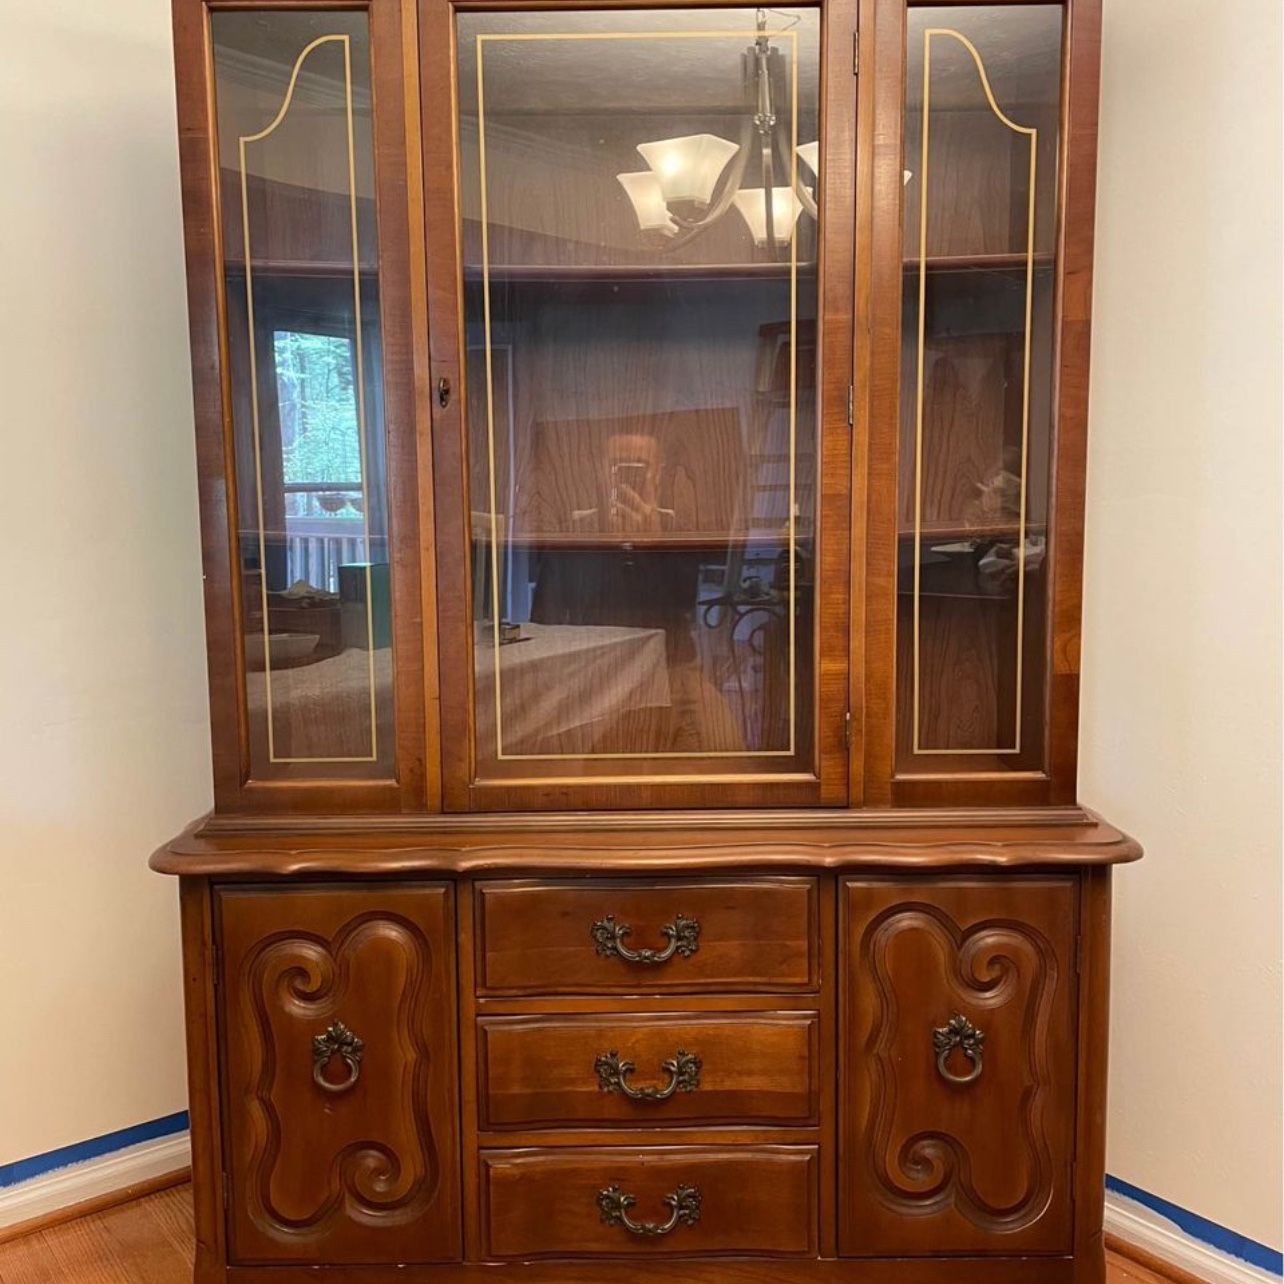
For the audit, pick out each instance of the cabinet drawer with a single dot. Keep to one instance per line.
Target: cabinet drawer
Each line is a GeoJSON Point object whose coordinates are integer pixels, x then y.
{"type": "Point", "coordinates": [627, 936]}
{"type": "Point", "coordinates": [654, 1202]}
{"type": "Point", "coordinates": [637, 1071]}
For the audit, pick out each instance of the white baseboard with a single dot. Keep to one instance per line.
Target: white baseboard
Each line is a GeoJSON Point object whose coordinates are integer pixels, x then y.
{"type": "Point", "coordinates": [93, 1178]}
{"type": "Point", "coordinates": [1134, 1223]}
{"type": "Point", "coordinates": [1131, 1222]}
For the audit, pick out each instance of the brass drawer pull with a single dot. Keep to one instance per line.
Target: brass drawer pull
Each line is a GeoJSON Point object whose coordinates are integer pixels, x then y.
{"type": "Point", "coordinates": [962, 1034]}
{"type": "Point", "coordinates": [613, 1076]}
{"type": "Point", "coordinates": [683, 935]}
{"type": "Point", "coordinates": [683, 1203]}
{"type": "Point", "coordinates": [337, 1041]}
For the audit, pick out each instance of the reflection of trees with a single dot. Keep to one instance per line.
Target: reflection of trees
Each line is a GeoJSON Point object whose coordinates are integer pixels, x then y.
{"type": "Point", "coordinates": [316, 397]}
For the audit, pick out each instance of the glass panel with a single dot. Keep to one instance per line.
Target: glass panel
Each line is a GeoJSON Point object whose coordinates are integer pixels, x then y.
{"type": "Point", "coordinates": [982, 116]}
{"type": "Point", "coordinates": [301, 268]}
{"type": "Point", "coordinates": [639, 231]}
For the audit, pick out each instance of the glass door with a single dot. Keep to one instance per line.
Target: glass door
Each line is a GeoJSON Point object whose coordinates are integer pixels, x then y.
{"type": "Point", "coordinates": [640, 432]}
{"type": "Point", "coordinates": [299, 262]}
{"type": "Point", "coordinates": [982, 127]}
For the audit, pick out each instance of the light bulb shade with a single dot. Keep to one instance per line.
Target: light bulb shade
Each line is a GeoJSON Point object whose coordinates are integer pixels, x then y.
{"type": "Point", "coordinates": [785, 208]}
{"type": "Point", "coordinates": [809, 154]}
{"type": "Point", "coordinates": [688, 168]}
{"type": "Point", "coordinates": [643, 190]}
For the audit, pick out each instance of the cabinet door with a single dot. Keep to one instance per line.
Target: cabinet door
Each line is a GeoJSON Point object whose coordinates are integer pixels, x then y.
{"type": "Point", "coordinates": [293, 131]}
{"type": "Point", "coordinates": [339, 1074]}
{"type": "Point", "coordinates": [977, 504]}
{"type": "Point", "coordinates": [959, 1074]}
{"type": "Point", "coordinates": [983, 102]}
{"type": "Point", "coordinates": [644, 465]}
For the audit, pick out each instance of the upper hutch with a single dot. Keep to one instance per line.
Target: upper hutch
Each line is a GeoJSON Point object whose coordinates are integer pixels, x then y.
{"type": "Point", "coordinates": [641, 457]}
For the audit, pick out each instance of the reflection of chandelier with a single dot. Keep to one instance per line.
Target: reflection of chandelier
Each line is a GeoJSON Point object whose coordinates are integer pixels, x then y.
{"type": "Point", "coordinates": [679, 195]}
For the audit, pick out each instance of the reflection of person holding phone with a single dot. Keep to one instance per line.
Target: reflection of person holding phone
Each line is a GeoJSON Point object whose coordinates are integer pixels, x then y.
{"type": "Point", "coordinates": [633, 480]}
{"type": "Point", "coordinates": [641, 588]}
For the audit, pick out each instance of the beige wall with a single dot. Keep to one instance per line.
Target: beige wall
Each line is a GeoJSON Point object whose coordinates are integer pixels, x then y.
{"type": "Point", "coordinates": [102, 720]}
{"type": "Point", "coordinates": [103, 729]}
{"type": "Point", "coordinates": [1181, 696]}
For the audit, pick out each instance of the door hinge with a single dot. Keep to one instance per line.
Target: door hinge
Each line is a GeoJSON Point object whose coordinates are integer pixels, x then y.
{"type": "Point", "coordinates": [851, 405]}
{"type": "Point", "coordinates": [855, 53]}
{"type": "Point", "coordinates": [227, 1190]}
{"type": "Point", "coordinates": [847, 729]}
{"type": "Point", "coordinates": [216, 964]}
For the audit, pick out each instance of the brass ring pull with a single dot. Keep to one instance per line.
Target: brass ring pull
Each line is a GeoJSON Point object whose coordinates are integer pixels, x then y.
{"type": "Point", "coordinates": [337, 1041]}
{"type": "Point", "coordinates": [962, 1034]}
{"type": "Point", "coordinates": [683, 935]}
{"type": "Point", "coordinates": [613, 1076]}
{"type": "Point", "coordinates": [683, 1203]}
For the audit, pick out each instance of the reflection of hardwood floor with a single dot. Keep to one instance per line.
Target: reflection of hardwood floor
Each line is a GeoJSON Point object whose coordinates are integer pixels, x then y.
{"type": "Point", "coordinates": [150, 1242]}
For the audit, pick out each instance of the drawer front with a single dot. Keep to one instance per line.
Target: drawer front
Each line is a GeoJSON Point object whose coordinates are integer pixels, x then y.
{"type": "Point", "coordinates": [638, 1071]}
{"type": "Point", "coordinates": [630, 936]}
{"type": "Point", "coordinates": [340, 1101]}
{"type": "Point", "coordinates": [959, 1090]}
{"type": "Point", "coordinates": [658, 1202]}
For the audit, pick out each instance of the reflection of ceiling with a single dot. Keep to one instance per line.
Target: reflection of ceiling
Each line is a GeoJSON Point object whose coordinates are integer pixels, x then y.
{"type": "Point", "coordinates": [255, 55]}
{"type": "Point", "coordinates": [1019, 45]}
{"type": "Point", "coordinates": [279, 36]}
{"type": "Point", "coordinates": [652, 62]}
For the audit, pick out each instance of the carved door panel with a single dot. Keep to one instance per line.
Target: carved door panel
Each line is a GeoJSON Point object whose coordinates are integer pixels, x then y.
{"type": "Point", "coordinates": [959, 1073]}
{"type": "Point", "coordinates": [340, 1091]}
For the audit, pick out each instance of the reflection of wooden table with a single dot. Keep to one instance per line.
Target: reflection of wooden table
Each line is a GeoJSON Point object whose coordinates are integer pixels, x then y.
{"type": "Point", "coordinates": [565, 682]}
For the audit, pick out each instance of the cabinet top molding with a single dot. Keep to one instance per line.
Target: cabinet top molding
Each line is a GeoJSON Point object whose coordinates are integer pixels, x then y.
{"type": "Point", "coordinates": [652, 843]}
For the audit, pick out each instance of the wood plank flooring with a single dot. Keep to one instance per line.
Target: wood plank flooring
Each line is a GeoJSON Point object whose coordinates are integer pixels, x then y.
{"type": "Point", "coordinates": [150, 1242]}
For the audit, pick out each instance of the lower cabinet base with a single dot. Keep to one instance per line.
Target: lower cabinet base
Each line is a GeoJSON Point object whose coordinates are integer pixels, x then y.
{"type": "Point", "coordinates": [955, 1270]}
{"type": "Point", "coordinates": [872, 1077]}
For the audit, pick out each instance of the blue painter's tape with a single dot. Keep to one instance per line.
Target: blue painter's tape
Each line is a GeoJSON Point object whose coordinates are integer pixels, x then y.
{"type": "Point", "coordinates": [25, 1169]}
{"type": "Point", "coordinates": [1200, 1228]}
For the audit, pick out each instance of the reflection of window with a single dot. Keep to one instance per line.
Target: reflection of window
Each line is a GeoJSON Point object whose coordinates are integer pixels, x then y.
{"type": "Point", "coordinates": [320, 456]}
{"type": "Point", "coordinates": [320, 444]}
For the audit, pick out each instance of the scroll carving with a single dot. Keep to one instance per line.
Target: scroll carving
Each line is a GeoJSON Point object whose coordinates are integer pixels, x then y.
{"type": "Point", "coordinates": [990, 966]}
{"type": "Point", "coordinates": [379, 1163]}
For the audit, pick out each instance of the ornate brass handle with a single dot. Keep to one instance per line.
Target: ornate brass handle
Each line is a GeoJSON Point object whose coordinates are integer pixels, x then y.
{"type": "Point", "coordinates": [683, 935]}
{"type": "Point", "coordinates": [962, 1034]}
{"type": "Point", "coordinates": [683, 1203]}
{"type": "Point", "coordinates": [337, 1041]}
{"type": "Point", "coordinates": [613, 1076]}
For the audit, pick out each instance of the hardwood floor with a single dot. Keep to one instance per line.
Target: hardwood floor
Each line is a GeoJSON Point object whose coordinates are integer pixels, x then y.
{"type": "Point", "coordinates": [150, 1242]}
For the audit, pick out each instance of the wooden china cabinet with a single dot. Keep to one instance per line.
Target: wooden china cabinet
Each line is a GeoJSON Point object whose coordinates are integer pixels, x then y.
{"type": "Point", "coordinates": [641, 461]}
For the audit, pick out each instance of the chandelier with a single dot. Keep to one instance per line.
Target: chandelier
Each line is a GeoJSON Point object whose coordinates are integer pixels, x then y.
{"type": "Point", "coordinates": [692, 181]}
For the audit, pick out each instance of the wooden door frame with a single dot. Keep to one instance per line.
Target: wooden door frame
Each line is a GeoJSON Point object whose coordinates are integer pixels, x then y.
{"type": "Point", "coordinates": [392, 41]}
{"type": "Point", "coordinates": [833, 691]}
{"type": "Point", "coordinates": [878, 356]}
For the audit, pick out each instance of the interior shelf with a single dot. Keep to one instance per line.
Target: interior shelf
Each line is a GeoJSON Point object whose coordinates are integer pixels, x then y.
{"type": "Point", "coordinates": [622, 273]}
{"type": "Point", "coordinates": [323, 268]}
{"type": "Point", "coordinates": [672, 541]}
{"type": "Point", "coordinates": [998, 599]}
{"type": "Point", "coordinates": [979, 262]}
{"type": "Point", "coordinates": [937, 531]}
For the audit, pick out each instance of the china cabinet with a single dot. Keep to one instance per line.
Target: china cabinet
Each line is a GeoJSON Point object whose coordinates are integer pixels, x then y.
{"type": "Point", "coordinates": [641, 459]}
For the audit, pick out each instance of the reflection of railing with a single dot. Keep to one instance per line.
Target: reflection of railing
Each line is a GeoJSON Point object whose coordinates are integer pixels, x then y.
{"type": "Point", "coordinates": [317, 546]}
{"type": "Point", "coordinates": [319, 542]}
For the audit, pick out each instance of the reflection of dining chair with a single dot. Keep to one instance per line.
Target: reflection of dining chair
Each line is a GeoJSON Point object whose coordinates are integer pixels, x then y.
{"type": "Point", "coordinates": [749, 619]}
